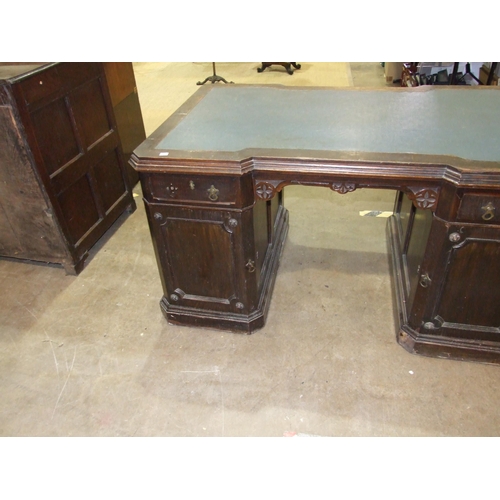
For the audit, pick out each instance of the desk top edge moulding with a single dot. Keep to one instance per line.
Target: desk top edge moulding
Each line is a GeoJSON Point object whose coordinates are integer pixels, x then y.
{"type": "Point", "coordinates": [212, 178]}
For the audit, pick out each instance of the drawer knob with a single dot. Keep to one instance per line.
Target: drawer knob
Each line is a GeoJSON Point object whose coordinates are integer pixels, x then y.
{"type": "Point", "coordinates": [489, 211]}
{"type": "Point", "coordinates": [213, 193]}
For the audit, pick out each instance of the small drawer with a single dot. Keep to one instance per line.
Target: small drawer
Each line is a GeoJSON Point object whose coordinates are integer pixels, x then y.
{"type": "Point", "coordinates": [480, 208]}
{"type": "Point", "coordinates": [198, 189]}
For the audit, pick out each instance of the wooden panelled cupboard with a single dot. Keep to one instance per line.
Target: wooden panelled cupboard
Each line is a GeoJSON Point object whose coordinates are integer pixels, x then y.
{"type": "Point", "coordinates": [62, 174]}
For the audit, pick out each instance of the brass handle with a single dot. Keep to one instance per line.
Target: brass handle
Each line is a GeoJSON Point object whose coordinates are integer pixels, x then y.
{"type": "Point", "coordinates": [489, 211]}
{"type": "Point", "coordinates": [424, 280]}
{"type": "Point", "coordinates": [213, 193]}
{"type": "Point", "coordinates": [250, 265]}
{"type": "Point", "coordinates": [172, 190]}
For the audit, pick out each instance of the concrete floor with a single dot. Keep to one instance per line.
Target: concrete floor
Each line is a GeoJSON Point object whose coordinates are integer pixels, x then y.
{"type": "Point", "coordinates": [93, 356]}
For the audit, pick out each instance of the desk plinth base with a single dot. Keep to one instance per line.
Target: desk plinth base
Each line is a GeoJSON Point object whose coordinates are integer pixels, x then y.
{"type": "Point", "coordinates": [237, 323]}
{"type": "Point", "coordinates": [415, 342]}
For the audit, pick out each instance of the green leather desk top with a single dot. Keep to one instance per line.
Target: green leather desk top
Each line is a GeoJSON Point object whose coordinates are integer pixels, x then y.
{"type": "Point", "coordinates": [456, 121]}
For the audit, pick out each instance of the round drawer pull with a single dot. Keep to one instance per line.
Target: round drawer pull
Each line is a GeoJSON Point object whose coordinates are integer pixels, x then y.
{"type": "Point", "coordinates": [489, 211]}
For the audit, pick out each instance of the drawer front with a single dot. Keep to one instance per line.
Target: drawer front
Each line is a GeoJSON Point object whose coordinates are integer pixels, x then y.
{"type": "Point", "coordinates": [191, 188]}
{"type": "Point", "coordinates": [480, 208]}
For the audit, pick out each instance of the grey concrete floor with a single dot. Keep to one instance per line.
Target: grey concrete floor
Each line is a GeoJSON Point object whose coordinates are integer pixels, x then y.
{"type": "Point", "coordinates": [93, 356]}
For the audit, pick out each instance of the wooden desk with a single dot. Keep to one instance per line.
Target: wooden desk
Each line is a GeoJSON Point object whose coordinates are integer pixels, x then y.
{"type": "Point", "coordinates": [213, 173]}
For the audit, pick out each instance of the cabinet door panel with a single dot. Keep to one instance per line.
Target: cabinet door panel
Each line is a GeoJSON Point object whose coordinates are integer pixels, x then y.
{"type": "Point", "coordinates": [90, 112]}
{"type": "Point", "coordinates": [109, 180]}
{"type": "Point", "coordinates": [55, 135]}
{"type": "Point", "coordinates": [71, 201]}
{"type": "Point", "coordinates": [466, 295]}
{"type": "Point", "coordinates": [200, 256]}
{"type": "Point", "coordinates": [471, 290]}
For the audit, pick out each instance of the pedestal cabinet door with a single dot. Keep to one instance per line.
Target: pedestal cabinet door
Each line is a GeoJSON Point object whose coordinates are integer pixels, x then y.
{"type": "Point", "coordinates": [468, 296]}
{"type": "Point", "coordinates": [200, 257]}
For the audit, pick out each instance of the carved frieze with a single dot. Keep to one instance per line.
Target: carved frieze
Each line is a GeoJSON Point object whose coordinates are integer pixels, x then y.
{"type": "Point", "coordinates": [343, 187]}
{"type": "Point", "coordinates": [425, 198]}
{"type": "Point", "coordinates": [265, 190]}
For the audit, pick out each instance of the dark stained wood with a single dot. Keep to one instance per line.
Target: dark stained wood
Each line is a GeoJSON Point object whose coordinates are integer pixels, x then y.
{"type": "Point", "coordinates": [444, 237]}
{"type": "Point", "coordinates": [127, 110]}
{"type": "Point", "coordinates": [416, 245]}
{"type": "Point", "coordinates": [261, 234]}
{"type": "Point", "coordinates": [209, 269]}
{"type": "Point", "coordinates": [27, 226]}
{"type": "Point", "coordinates": [62, 146]}
{"type": "Point", "coordinates": [121, 80]}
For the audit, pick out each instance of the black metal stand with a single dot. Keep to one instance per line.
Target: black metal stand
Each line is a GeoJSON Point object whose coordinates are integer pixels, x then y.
{"type": "Point", "coordinates": [454, 80]}
{"type": "Point", "coordinates": [491, 74]}
{"type": "Point", "coordinates": [286, 65]}
{"type": "Point", "coordinates": [213, 79]}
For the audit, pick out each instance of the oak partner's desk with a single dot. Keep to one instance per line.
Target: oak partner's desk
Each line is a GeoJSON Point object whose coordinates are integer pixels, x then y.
{"type": "Point", "coordinates": [212, 177]}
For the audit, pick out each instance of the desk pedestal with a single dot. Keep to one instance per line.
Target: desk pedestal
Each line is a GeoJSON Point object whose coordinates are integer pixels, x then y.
{"type": "Point", "coordinates": [217, 251]}
{"type": "Point", "coordinates": [446, 281]}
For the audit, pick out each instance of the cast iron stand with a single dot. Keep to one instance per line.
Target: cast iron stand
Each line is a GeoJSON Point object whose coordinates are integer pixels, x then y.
{"type": "Point", "coordinates": [214, 78]}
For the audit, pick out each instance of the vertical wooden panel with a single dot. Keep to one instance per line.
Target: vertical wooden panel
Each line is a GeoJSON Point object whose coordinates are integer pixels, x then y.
{"type": "Point", "coordinates": [200, 257]}
{"type": "Point", "coordinates": [80, 211]}
{"type": "Point", "coordinates": [87, 103]}
{"type": "Point", "coordinates": [109, 180]}
{"type": "Point", "coordinates": [417, 245]}
{"type": "Point", "coordinates": [472, 285]}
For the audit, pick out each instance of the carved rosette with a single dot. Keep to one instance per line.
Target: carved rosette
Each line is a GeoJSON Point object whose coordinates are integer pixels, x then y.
{"type": "Point", "coordinates": [426, 198]}
{"type": "Point", "coordinates": [343, 187]}
{"type": "Point", "coordinates": [265, 190]}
